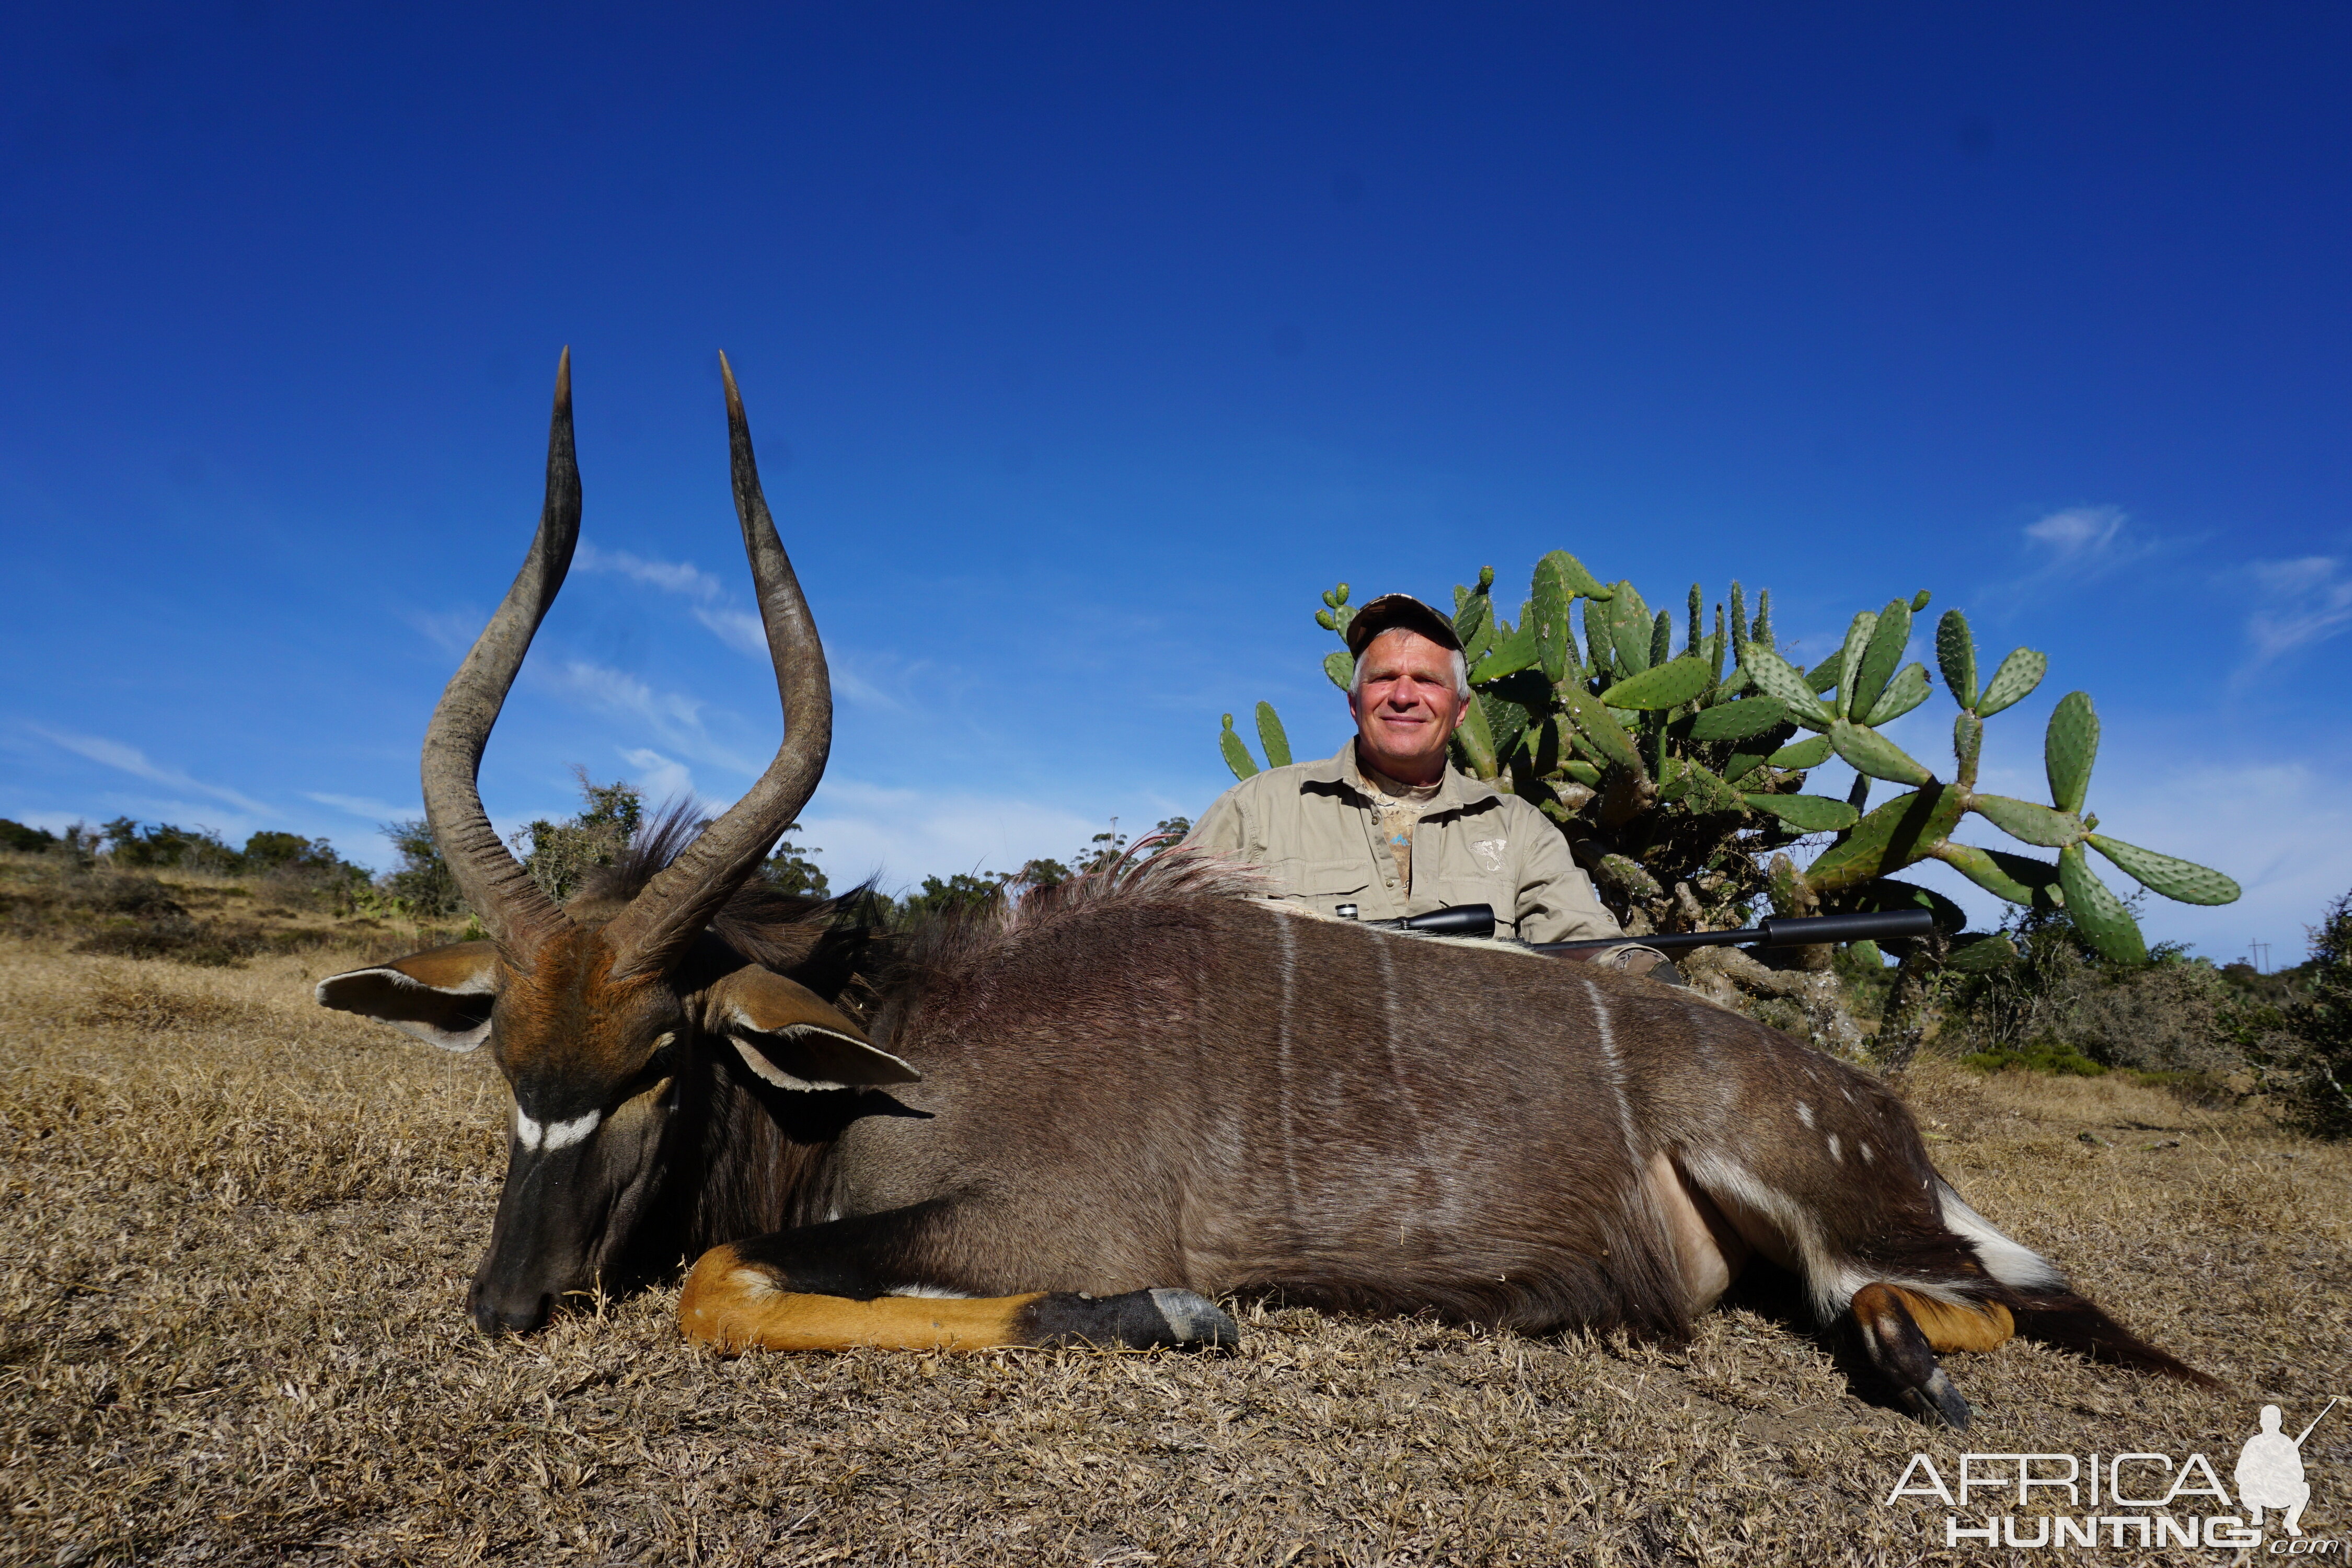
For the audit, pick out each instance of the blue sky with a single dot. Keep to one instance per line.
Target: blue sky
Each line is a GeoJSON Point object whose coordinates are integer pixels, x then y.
{"type": "Point", "coordinates": [1086, 345]}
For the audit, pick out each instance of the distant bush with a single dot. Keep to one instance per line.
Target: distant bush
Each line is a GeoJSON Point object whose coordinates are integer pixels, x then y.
{"type": "Point", "coordinates": [2302, 1048]}
{"type": "Point", "coordinates": [2063, 1006]}
{"type": "Point", "coordinates": [25, 840]}
{"type": "Point", "coordinates": [421, 885]}
{"type": "Point", "coordinates": [559, 855]}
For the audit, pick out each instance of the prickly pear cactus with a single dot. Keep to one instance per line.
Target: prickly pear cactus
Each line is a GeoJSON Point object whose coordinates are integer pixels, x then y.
{"type": "Point", "coordinates": [1677, 774]}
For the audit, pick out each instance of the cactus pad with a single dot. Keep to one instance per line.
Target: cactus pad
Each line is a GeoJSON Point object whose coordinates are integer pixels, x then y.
{"type": "Point", "coordinates": [1237, 755]}
{"type": "Point", "coordinates": [1848, 661]}
{"type": "Point", "coordinates": [1956, 656]}
{"type": "Point", "coordinates": [2183, 880]}
{"type": "Point", "coordinates": [1775, 678]}
{"type": "Point", "coordinates": [2097, 913]}
{"type": "Point", "coordinates": [1810, 753]}
{"type": "Point", "coordinates": [1806, 813]}
{"type": "Point", "coordinates": [1884, 652]}
{"type": "Point", "coordinates": [2023, 820]}
{"type": "Point", "coordinates": [1599, 726]}
{"type": "Point", "coordinates": [2016, 877]}
{"type": "Point", "coordinates": [1889, 838]}
{"type": "Point", "coordinates": [1905, 692]}
{"type": "Point", "coordinates": [1668, 685]}
{"type": "Point", "coordinates": [1736, 720]}
{"type": "Point", "coordinates": [2069, 748]}
{"type": "Point", "coordinates": [1873, 753]}
{"type": "Point", "coordinates": [2013, 683]}
{"type": "Point", "coordinates": [1270, 736]}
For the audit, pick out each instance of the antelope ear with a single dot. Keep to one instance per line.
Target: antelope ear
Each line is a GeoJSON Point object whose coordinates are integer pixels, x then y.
{"type": "Point", "coordinates": [793, 1039]}
{"type": "Point", "coordinates": [441, 995]}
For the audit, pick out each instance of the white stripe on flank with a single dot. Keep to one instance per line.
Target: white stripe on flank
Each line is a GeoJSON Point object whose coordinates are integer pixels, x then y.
{"type": "Point", "coordinates": [1289, 946]}
{"type": "Point", "coordinates": [1614, 1068]}
{"type": "Point", "coordinates": [1381, 950]}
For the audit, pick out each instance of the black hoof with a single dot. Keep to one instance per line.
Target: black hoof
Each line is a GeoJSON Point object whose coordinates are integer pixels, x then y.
{"type": "Point", "coordinates": [1937, 1403]}
{"type": "Point", "coordinates": [1139, 1320]}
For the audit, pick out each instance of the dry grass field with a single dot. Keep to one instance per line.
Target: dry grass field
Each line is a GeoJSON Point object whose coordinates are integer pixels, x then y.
{"type": "Point", "coordinates": [234, 1232]}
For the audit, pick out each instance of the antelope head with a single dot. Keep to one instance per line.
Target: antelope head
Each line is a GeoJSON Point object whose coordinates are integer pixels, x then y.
{"type": "Point", "coordinates": [596, 1015]}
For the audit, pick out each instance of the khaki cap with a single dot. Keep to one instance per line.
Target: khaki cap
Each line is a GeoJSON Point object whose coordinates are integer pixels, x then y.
{"type": "Point", "coordinates": [1391, 611]}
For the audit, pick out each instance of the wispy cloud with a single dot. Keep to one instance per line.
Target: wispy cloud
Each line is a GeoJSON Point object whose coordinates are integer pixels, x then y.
{"type": "Point", "coordinates": [451, 631]}
{"type": "Point", "coordinates": [675, 719]}
{"type": "Point", "coordinates": [670, 576]}
{"type": "Point", "coordinates": [738, 630]}
{"type": "Point", "coordinates": [134, 762]}
{"type": "Point", "coordinates": [899, 835]}
{"type": "Point", "coordinates": [2305, 602]}
{"type": "Point", "coordinates": [662, 778]}
{"type": "Point", "coordinates": [366, 808]}
{"type": "Point", "coordinates": [2080, 533]}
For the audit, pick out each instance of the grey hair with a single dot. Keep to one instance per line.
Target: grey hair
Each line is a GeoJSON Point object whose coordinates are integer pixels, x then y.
{"type": "Point", "coordinates": [1460, 668]}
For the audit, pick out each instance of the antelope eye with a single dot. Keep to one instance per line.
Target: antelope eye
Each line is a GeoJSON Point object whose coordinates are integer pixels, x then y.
{"type": "Point", "coordinates": [665, 1059]}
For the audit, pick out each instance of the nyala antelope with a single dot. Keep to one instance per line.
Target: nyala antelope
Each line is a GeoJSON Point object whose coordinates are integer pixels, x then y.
{"type": "Point", "coordinates": [1082, 1117]}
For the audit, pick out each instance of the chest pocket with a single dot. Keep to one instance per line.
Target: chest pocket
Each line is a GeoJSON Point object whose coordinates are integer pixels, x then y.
{"type": "Point", "coordinates": [1324, 885]}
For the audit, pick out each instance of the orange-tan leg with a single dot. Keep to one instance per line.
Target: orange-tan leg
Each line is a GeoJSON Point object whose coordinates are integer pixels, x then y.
{"type": "Point", "coordinates": [731, 1306]}
{"type": "Point", "coordinates": [1978, 1326]}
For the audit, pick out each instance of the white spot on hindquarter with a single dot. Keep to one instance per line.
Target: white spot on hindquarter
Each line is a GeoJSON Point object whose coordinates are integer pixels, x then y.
{"type": "Point", "coordinates": [2004, 1260]}
{"type": "Point", "coordinates": [1805, 1115]}
{"type": "Point", "coordinates": [1834, 1155]}
{"type": "Point", "coordinates": [1613, 1068]}
{"type": "Point", "coordinates": [1865, 1152]}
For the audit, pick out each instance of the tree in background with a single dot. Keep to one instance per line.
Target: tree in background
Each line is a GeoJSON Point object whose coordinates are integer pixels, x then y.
{"type": "Point", "coordinates": [2305, 1053]}
{"type": "Point", "coordinates": [560, 854]}
{"type": "Point", "coordinates": [1677, 777]}
{"type": "Point", "coordinates": [421, 884]}
{"type": "Point", "coordinates": [790, 869]}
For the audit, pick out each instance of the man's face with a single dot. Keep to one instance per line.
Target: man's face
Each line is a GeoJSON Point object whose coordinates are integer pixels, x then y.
{"type": "Point", "coordinates": [1406, 707]}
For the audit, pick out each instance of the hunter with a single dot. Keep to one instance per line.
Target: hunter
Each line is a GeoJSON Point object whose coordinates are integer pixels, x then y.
{"type": "Point", "coordinates": [1385, 828]}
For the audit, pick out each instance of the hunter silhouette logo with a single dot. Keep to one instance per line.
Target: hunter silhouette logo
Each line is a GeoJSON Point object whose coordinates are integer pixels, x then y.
{"type": "Point", "coordinates": [2270, 1472]}
{"type": "Point", "coordinates": [2145, 1498]}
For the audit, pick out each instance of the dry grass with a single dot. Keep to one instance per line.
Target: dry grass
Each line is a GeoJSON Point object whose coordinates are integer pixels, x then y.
{"type": "Point", "coordinates": [234, 1231]}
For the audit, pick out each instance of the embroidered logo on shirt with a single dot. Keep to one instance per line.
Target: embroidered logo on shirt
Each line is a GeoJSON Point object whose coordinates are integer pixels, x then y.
{"type": "Point", "coordinates": [1489, 852]}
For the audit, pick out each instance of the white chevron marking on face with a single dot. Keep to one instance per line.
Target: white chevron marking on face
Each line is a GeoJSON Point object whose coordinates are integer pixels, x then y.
{"type": "Point", "coordinates": [563, 1134]}
{"type": "Point", "coordinates": [559, 1135]}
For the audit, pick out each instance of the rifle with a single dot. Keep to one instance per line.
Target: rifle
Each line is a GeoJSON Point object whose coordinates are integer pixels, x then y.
{"type": "Point", "coordinates": [1780, 930]}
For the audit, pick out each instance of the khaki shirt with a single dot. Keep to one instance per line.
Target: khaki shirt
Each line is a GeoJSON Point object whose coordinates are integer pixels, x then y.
{"type": "Point", "coordinates": [1314, 828]}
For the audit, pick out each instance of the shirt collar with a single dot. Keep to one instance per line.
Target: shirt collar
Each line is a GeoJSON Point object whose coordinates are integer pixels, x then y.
{"type": "Point", "coordinates": [1456, 790]}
